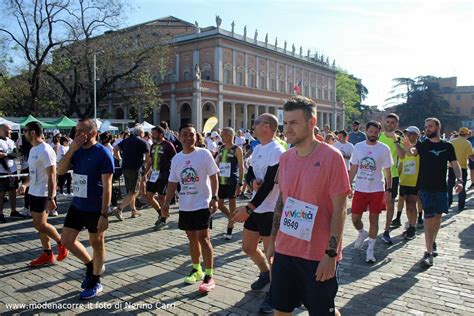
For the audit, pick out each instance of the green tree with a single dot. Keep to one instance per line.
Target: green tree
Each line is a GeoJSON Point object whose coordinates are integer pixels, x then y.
{"type": "Point", "coordinates": [419, 98]}
{"type": "Point", "coordinates": [352, 92]}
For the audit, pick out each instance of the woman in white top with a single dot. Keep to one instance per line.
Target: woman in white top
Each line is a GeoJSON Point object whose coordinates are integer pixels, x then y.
{"type": "Point", "coordinates": [66, 178]}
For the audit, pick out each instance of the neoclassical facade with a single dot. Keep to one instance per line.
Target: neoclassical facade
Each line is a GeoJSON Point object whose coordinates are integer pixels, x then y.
{"type": "Point", "coordinates": [216, 72]}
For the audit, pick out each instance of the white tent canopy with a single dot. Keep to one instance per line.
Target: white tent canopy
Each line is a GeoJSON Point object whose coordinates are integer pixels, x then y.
{"type": "Point", "coordinates": [13, 125]}
{"type": "Point", "coordinates": [147, 126]}
{"type": "Point", "coordinates": [99, 124]}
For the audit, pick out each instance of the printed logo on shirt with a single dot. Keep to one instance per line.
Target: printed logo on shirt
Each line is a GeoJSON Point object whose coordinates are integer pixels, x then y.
{"type": "Point", "coordinates": [189, 176]}
{"type": "Point", "coordinates": [437, 152]}
{"type": "Point", "coordinates": [300, 214]}
{"type": "Point", "coordinates": [368, 163]}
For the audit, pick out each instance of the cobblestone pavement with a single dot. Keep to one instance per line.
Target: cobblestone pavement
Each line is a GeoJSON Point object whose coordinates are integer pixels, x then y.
{"type": "Point", "coordinates": [145, 270]}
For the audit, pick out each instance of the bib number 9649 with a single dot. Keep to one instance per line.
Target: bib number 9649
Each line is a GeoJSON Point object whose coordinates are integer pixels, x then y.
{"type": "Point", "coordinates": [291, 224]}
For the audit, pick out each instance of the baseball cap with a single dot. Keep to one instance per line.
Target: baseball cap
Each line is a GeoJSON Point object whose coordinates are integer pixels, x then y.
{"type": "Point", "coordinates": [214, 134]}
{"type": "Point", "coordinates": [413, 129]}
{"type": "Point", "coordinates": [463, 131]}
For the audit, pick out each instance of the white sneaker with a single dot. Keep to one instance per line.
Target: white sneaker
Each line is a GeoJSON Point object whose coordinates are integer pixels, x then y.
{"type": "Point", "coordinates": [25, 212]}
{"type": "Point", "coordinates": [71, 194]}
{"type": "Point", "coordinates": [370, 258]}
{"type": "Point", "coordinates": [53, 213]}
{"type": "Point", "coordinates": [360, 239]}
{"type": "Point", "coordinates": [227, 237]}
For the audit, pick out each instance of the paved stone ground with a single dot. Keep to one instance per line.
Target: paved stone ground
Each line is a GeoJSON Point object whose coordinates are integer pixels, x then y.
{"type": "Point", "coordinates": [145, 270]}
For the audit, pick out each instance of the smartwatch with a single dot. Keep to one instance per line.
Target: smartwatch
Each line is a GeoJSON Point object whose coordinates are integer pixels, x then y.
{"type": "Point", "coordinates": [332, 253]}
{"type": "Point", "coordinates": [388, 190]}
{"type": "Point", "coordinates": [214, 198]}
{"type": "Point", "coordinates": [248, 209]}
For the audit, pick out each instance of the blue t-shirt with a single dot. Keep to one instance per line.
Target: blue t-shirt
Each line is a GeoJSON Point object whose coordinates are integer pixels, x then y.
{"type": "Point", "coordinates": [133, 148]}
{"type": "Point", "coordinates": [92, 163]}
{"type": "Point", "coordinates": [471, 140]}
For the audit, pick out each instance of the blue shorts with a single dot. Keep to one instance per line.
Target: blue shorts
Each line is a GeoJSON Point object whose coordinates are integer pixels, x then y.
{"type": "Point", "coordinates": [434, 203]}
{"type": "Point", "coordinates": [471, 164]}
{"type": "Point", "coordinates": [294, 283]}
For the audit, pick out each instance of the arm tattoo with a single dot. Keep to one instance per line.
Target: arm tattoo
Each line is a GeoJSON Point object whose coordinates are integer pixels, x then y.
{"type": "Point", "coordinates": [333, 242]}
{"type": "Point", "coordinates": [277, 216]}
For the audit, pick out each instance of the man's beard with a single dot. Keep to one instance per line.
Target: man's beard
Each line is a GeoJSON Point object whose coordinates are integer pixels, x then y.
{"type": "Point", "coordinates": [372, 139]}
{"type": "Point", "coordinates": [432, 135]}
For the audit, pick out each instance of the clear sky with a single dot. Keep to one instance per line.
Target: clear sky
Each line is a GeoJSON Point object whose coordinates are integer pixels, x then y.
{"type": "Point", "coordinates": [374, 40]}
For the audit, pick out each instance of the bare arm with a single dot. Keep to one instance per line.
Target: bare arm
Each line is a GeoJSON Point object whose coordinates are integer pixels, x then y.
{"type": "Point", "coordinates": [456, 169]}
{"type": "Point", "coordinates": [352, 173]}
{"type": "Point", "coordinates": [65, 163]}
{"type": "Point", "coordinates": [240, 161]}
{"type": "Point", "coordinates": [214, 184]}
{"type": "Point", "coordinates": [277, 216]}
{"type": "Point", "coordinates": [337, 221]}
{"type": "Point", "coordinates": [106, 192]}
{"type": "Point", "coordinates": [117, 153]}
{"type": "Point", "coordinates": [170, 190]}
{"type": "Point", "coordinates": [388, 177]}
{"type": "Point", "coordinates": [51, 173]}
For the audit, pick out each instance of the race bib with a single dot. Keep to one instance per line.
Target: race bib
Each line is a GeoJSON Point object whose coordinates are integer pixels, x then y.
{"type": "Point", "coordinates": [297, 219]}
{"type": "Point", "coordinates": [224, 168]}
{"type": "Point", "coordinates": [409, 167]}
{"type": "Point", "coordinates": [155, 174]}
{"type": "Point", "coordinates": [79, 185]}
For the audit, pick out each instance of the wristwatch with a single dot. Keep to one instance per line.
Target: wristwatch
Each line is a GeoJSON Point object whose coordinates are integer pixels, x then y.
{"type": "Point", "coordinates": [332, 253]}
{"type": "Point", "coordinates": [248, 209]}
{"type": "Point", "coordinates": [459, 181]}
{"type": "Point", "coordinates": [214, 198]}
{"type": "Point", "coordinates": [388, 190]}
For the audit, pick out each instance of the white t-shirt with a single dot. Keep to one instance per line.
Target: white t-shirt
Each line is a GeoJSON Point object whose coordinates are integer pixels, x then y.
{"type": "Point", "coordinates": [192, 172]}
{"type": "Point", "coordinates": [41, 157]}
{"type": "Point", "coordinates": [212, 146]}
{"type": "Point", "coordinates": [62, 150]}
{"type": "Point", "coordinates": [7, 146]}
{"type": "Point", "coordinates": [239, 141]}
{"type": "Point", "coordinates": [371, 160]}
{"type": "Point", "coordinates": [264, 156]}
{"type": "Point", "coordinates": [346, 150]}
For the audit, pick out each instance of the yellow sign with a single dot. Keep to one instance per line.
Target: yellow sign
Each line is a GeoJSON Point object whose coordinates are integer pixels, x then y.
{"type": "Point", "coordinates": [210, 124]}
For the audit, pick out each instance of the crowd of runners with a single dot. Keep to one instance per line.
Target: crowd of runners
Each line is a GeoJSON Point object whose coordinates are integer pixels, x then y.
{"type": "Point", "coordinates": [296, 184]}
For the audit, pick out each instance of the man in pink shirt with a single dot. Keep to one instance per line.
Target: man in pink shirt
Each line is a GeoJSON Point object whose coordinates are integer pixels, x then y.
{"type": "Point", "coordinates": [305, 243]}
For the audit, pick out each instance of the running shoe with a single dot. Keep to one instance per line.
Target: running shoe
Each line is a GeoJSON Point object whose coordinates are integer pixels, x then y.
{"type": "Point", "coordinates": [370, 257]}
{"type": "Point", "coordinates": [16, 214]}
{"type": "Point", "coordinates": [159, 225]}
{"type": "Point", "coordinates": [228, 236]}
{"type": "Point", "coordinates": [25, 212]}
{"type": "Point", "coordinates": [261, 282]}
{"type": "Point", "coordinates": [92, 292]}
{"type": "Point", "coordinates": [135, 214]}
{"type": "Point", "coordinates": [2, 219]}
{"type": "Point", "coordinates": [471, 186]}
{"type": "Point", "coordinates": [86, 280]}
{"type": "Point", "coordinates": [435, 250]}
{"type": "Point", "coordinates": [386, 238]}
{"type": "Point", "coordinates": [62, 252]}
{"type": "Point", "coordinates": [53, 213]}
{"type": "Point", "coordinates": [207, 285]}
{"type": "Point", "coordinates": [266, 308]}
{"type": "Point", "coordinates": [194, 276]}
{"type": "Point", "coordinates": [360, 239]}
{"type": "Point", "coordinates": [118, 213]}
{"type": "Point", "coordinates": [420, 224]}
{"type": "Point", "coordinates": [395, 223]}
{"type": "Point", "coordinates": [43, 259]}
{"type": "Point", "coordinates": [427, 260]}
{"type": "Point", "coordinates": [410, 233]}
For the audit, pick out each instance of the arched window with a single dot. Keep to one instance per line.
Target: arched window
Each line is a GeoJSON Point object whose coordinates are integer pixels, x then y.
{"type": "Point", "coordinates": [240, 76]}
{"type": "Point", "coordinates": [227, 73]}
{"type": "Point", "coordinates": [251, 80]}
{"type": "Point", "coordinates": [206, 72]}
{"type": "Point", "coordinates": [262, 81]}
{"type": "Point", "coordinates": [186, 73]}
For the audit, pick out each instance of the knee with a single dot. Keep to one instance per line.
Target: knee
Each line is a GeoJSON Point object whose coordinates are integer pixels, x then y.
{"type": "Point", "coordinates": [40, 226]}
{"type": "Point", "coordinates": [149, 197]}
{"type": "Point", "coordinates": [249, 250]}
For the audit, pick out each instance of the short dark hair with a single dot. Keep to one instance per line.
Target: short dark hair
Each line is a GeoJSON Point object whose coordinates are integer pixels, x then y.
{"type": "Point", "coordinates": [299, 102]}
{"type": "Point", "coordinates": [343, 132]}
{"type": "Point", "coordinates": [434, 119]}
{"type": "Point", "coordinates": [164, 124]}
{"type": "Point", "coordinates": [394, 116]}
{"type": "Point", "coordinates": [35, 127]}
{"type": "Point", "coordinates": [187, 125]}
{"type": "Point", "coordinates": [374, 124]}
{"type": "Point", "coordinates": [91, 122]}
{"type": "Point", "coordinates": [158, 129]}
{"type": "Point", "coordinates": [355, 123]}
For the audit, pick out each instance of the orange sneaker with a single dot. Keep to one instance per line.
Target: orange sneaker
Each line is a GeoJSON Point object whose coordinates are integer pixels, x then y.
{"type": "Point", "coordinates": [43, 259]}
{"type": "Point", "coordinates": [62, 253]}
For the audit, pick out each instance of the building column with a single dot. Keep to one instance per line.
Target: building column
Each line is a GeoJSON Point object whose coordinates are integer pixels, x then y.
{"type": "Point", "coordinates": [320, 119]}
{"type": "Point", "coordinates": [176, 71]}
{"type": "Point", "coordinates": [286, 80]}
{"type": "Point", "coordinates": [246, 123]}
{"type": "Point", "coordinates": [125, 112]}
{"type": "Point", "coordinates": [234, 75]}
{"type": "Point", "coordinates": [246, 70]}
{"type": "Point", "coordinates": [267, 76]}
{"type": "Point", "coordinates": [218, 67]}
{"type": "Point", "coordinates": [196, 109]}
{"type": "Point", "coordinates": [156, 116]}
{"type": "Point", "coordinates": [335, 126]}
{"type": "Point", "coordinates": [220, 110]}
{"type": "Point", "coordinates": [267, 109]}
{"type": "Point", "coordinates": [174, 114]}
{"type": "Point", "coordinates": [257, 73]}
{"type": "Point", "coordinates": [232, 115]}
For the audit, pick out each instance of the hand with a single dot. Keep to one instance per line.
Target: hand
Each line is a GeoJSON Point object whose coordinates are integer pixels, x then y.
{"type": "Point", "coordinates": [238, 190]}
{"type": "Point", "coordinates": [79, 140]}
{"type": "Point", "coordinates": [458, 188]}
{"type": "Point", "coordinates": [270, 250]}
{"type": "Point", "coordinates": [22, 189]}
{"type": "Point", "coordinates": [326, 269]}
{"type": "Point", "coordinates": [52, 205]}
{"type": "Point", "coordinates": [351, 194]}
{"type": "Point", "coordinates": [241, 215]}
{"type": "Point", "coordinates": [213, 206]}
{"type": "Point", "coordinates": [256, 185]}
{"type": "Point", "coordinates": [103, 224]}
{"type": "Point", "coordinates": [406, 142]}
